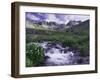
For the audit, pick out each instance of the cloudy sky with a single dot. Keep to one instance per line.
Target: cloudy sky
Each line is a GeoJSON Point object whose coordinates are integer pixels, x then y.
{"type": "Point", "coordinates": [59, 18]}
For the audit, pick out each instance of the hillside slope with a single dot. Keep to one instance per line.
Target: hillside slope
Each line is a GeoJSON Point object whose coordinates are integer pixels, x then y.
{"type": "Point", "coordinates": [80, 29]}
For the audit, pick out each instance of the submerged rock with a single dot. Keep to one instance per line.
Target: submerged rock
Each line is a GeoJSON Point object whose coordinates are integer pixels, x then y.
{"type": "Point", "coordinates": [46, 57]}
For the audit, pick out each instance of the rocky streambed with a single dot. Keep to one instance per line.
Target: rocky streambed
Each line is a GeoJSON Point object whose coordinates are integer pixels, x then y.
{"type": "Point", "coordinates": [57, 55]}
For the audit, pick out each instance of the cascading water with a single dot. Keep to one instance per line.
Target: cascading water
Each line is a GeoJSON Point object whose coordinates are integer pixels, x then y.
{"type": "Point", "coordinates": [56, 54]}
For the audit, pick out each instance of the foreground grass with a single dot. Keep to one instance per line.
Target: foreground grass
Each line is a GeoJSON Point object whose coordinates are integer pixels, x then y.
{"type": "Point", "coordinates": [34, 55]}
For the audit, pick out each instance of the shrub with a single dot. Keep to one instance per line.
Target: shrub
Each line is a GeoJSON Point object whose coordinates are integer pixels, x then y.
{"type": "Point", "coordinates": [34, 55]}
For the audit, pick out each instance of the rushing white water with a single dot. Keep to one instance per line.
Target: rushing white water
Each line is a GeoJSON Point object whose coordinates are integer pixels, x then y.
{"type": "Point", "coordinates": [55, 54]}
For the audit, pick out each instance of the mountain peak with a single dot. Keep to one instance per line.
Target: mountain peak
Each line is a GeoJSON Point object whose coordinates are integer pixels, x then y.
{"type": "Point", "coordinates": [73, 23]}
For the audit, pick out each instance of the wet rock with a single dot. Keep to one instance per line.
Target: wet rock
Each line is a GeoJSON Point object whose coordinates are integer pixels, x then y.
{"type": "Point", "coordinates": [70, 49]}
{"type": "Point", "coordinates": [59, 46]}
{"type": "Point", "coordinates": [86, 60]}
{"type": "Point", "coordinates": [77, 54]}
{"type": "Point", "coordinates": [65, 50]}
{"type": "Point", "coordinates": [61, 50]}
{"type": "Point", "coordinates": [83, 60]}
{"type": "Point", "coordinates": [46, 57]}
{"type": "Point", "coordinates": [80, 61]}
{"type": "Point", "coordinates": [51, 45]}
{"type": "Point", "coordinates": [47, 50]}
{"type": "Point", "coordinates": [51, 52]}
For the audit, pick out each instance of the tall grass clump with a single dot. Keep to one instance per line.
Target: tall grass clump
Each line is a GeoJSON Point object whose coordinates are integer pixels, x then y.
{"type": "Point", "coordinates": [34, 55]}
